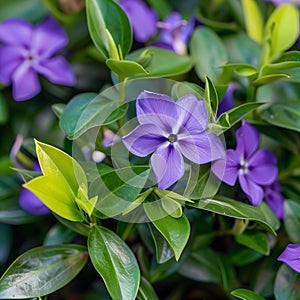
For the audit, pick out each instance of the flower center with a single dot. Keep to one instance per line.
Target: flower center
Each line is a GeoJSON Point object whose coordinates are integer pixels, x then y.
{"type": "Point", "coordinates": [172, 138]}
{"type": "Point", "coordinates": [244, 167]}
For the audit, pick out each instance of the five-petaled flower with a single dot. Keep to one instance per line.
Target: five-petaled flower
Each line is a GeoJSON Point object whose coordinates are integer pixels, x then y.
{"type": "Point", "coordinates": [254, 169]}
{"type": "Point", "coordinates": [291, 256]}
{"type": "Point", "coordinates": [172, 130]}
{"type": "Point", "coordinates": [27, 51]}
{"type": "Point", "coordinates": [175, 33]}
{"type": "Point", "coordinates": [142, 18]}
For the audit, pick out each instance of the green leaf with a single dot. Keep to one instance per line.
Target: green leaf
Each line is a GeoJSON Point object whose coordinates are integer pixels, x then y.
{"type": "Point", "coordinates": [283, 114]}
{"type": "Point", "coordinates": [292, 220]}
{"type": "Point", "coordinates": [182, 88]}
{"type": "Point", "coordinates": [162, 248]}
{"type": "Point", "coordinates": [211, 96]}
{"type": "Point", "coordinates": [253, 20]}
{"type": "Point", "coordinates": [41, 271]}
{"type": "Point", "coordinates": [175, 230]}
{"type": "Point", "coordinates": [105, 15]}
{"type": "Point", "coordinates": [59, 234]}
{"type": "Point", "coordinates": [162, 7]}
{"type": "Point", "coordinates": [70, 171]}
{"type": "Point", "coordinates": [282, 29]}
{"type": "Point", "coordinates": [209, 53]}
{"type": "Point", "coordinates": [3, 110]}
{"type": "Point", "coordinates": [58, 109]}
{"type": "Point", "coordinates": [53, 191]}
{"type": "Point", "coordinates": [117, 189]}
{"type": "Point", "coordinates": [270, 69]}
{"type": "Point", "coordinates": [115, 262]}
{"type": "Point", "coordinates": [89, 110]}
{"type": "Point", "coordinates": [235, 209]}
{"type": "Point", "coordinates": [266, 79]}
{"type": "Point", "coordinates": [158, 62]}
{"type": "Point", "coordinates": [241, 69]}
{"type": "Point", "coordinates": [257, 241]}
{"type": "Point", "coordinates": [6, 238]}
{"type": "Point", "coordinates": [286, 286]}
{"type": "Point", "coordinates": [246, 295]}
{"type": "Point", "coordinates": [146, 291]}
{"type": "Point", "coordinates": [231, 117]}
{"type": "Point", "coordinates": [125, 68]}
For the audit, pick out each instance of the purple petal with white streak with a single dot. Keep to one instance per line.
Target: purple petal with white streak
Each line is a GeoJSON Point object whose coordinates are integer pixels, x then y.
{"type": "Point", "coordinates": [253, 191]}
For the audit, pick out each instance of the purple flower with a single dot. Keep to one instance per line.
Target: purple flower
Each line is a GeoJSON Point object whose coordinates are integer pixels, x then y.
{"type": "Point", "coordinates": [291, 256]}
{"type": "Point", "coordinates": [253, 168]}
{"type": "Point", "coordinates": [175, 33]}
{"type": "Point", "coordinates": [31, 203]}
{"type": "Point", "coordinates": [275, 199]}
{"type": "Point", "coordinates": [142, 18]}
{"type": "Point", "coordinates": [172, 130]}
{"type": "Point", "coordinates": [280, 2]}
{"type": "Point", "coordinates": [227, 102]}
{"type": "Point", "coordinates": [27, 51]}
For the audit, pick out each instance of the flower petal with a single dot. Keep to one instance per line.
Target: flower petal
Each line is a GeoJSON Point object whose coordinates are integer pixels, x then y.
{"type": "Point", "coordinates": [48, 38]}
{"type": "Point", "coordinates": [202, 148]}
{"type": "Point", "coordinates": [253, 191]}
{"type": "Point", "coordinates": [275, 199]}
{"type": "Point", "coordinates": [227, 170]}
{"type": "Point", "coordinates": [145, 139]}
{"type": "Point", "coordinates": [291, 256]}
{"type": "Point", "coordinates": [10, 58]}
{"type": "Point", "coordinates": [247, 139]}
{"type": "Point", "coordinates": [142, 18]}
{"type": "Point", "coordinates": [168, 166]}
{"type": "Point", "coordinates": [262, 157]}
{"type": "Point", "coordinates": [16, 32]}
{"type": "Point", "coordinates": [57, 70]}
{"type": "Point", "coordinates": [192, 114]}
{"type": "Point", "coordinates": [158, 109]}
{"type": "Point", "coordinates": [31, 203]}
{"type": "Point", "coordinates": [25, 83]}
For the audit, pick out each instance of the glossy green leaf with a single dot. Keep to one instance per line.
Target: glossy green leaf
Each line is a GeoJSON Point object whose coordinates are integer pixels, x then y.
{"type": "Point", "coordinates": [282, 29]}
{"type": "Point", "coordinates": [291, 220]}
{"type": "Point", "coordinates": [231, 208]}
{"type": "Point", "coordinates": [231, 117]}
{"type": "Point", "coordinates": [209, 53]}
{"type": "Point", "coordinates": [146, 291]}
{"type": "Point", "coordinates": [257, 241]}
{"type": "Point", "coordinates": [286, 286]}
{"type": "Point", "coordinates": [241, 69]}
{"type": "Point", "coordinates": [158, 62]}
{"type": "Point", "coordinates": [117, 189]}
{"type": "Point", "coordinates": [162, 249]}
{"type": "Point", "coordinates": [50, 160]}
{"type": "Point", "coordinates": [54, 192]}
{"type": "Point", "coordinates": [283, 114]}
{"type": "Point", "coordinates": [246, 294]}
{"type": "Point", "coordinates": [211, 96]}
{"type": "Point", "coordinates": [89, 110]}
{"type": "Point", "coordinates": [59, 234]}
{"type": "Point", "coordinates": [125, 68]}
{"type": "Point", "coordinates": [175, 230]}
{"type": "Point", "coordinates": [105, 15]}
{"type": "Point", "coordinates": [41, 271]}
{"type": "Point", "coordinates": [253, 20]}
{"type": "Point", "coordinates": [274, 68]}
{"type": "Point", "coordinates": [266, 79]}
{"type": "Point", "coordinates": [115, 262]}
{"type": "Point", "coordinates": [182, 88]}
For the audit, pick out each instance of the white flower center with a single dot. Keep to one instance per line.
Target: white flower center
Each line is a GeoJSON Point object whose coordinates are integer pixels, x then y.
{"type": "Point", "coordinates": [244, 167]}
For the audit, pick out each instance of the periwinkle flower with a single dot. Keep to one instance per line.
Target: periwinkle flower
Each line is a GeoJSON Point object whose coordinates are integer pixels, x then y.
{"type": "Point", "coordinates": [274, 198]}
{"type": "Point", "coordinates": [142, 18]}
{"type": "Point", "coordinates": [253, 168]}
{"type": "Point", "coordinates": [30, 202]}
{"type": "Point", "coordinates": [227, 102]}
{"type": "Point", "coordinates": [291, 256]}
{"type": "Point", "coordinates": [175, 33]}
{"type": "Point", "coordinates": [172, 130]}
{"type": "Point", "coordinates": [27, 51]}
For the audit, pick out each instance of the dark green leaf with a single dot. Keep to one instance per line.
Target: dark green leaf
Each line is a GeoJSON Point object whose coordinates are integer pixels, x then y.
{"type": "Point", "coordinates": [246, 294]}
{"type": "Point", "coordinates": [58, 234]}
{"type": "Point", "coordinates": [208, 52]}
{"type": "Point", "coordinates": [3, 110]}
{"type": "Point", "coordinates": [158, 62]}
{"type": "Point", "coordinates": [146, 291]}
{"type": "Point", "coordinates": [58, 109]}
{"type": "Point", "coordinates": [235, 209]}
{"type": "Point", "coordinates": [6, 237]}
{"type": "Point", "coordinates": [41, 271]}
{"type": "Point", "coordinates": [105, 15]}
{"type": "Point", "coordinates": [89, 110]}
{"type": "Point", "coordinates": [283, 114]}
{"type": "Point", "coordinates": [257, 241]}
{"type": "Point", "coordinates": [115, 262]}
{"type": "Point", "coordinates": [292, 220]}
